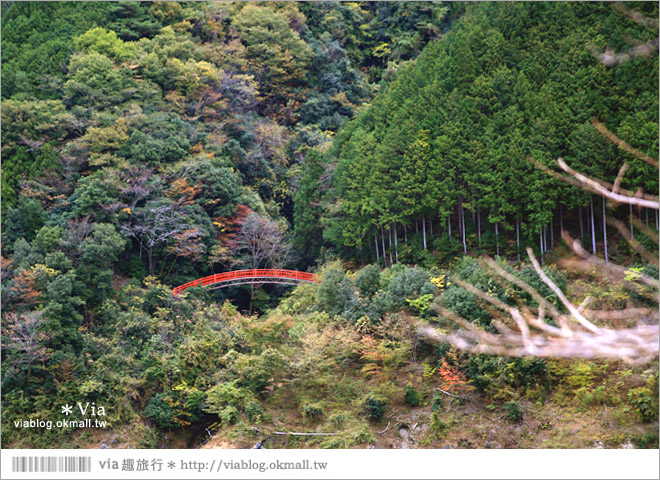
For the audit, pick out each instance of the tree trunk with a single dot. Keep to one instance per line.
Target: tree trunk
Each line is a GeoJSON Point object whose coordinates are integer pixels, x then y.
{"type": "Point", "coordinates": [581, 224]}
{"type": "Point", "coordinates": [656, 219]}
{"type": "Point", "coordinates": [424, 230]}
{"type": "Point", "coordinates": [541, 243]}
{"type": "Point", "coordinates": [545, 239]}
{"type": "Point", "coordinates": [416, 226]}
{"type": "Point", "coordinates": [431, 227]}
{"type": "Point", "coordinates": [497, 240]}
{"type": "Point", "coordinates": [479, 226]}
{"type": "Point", "coordinates": [405, 234]}
{"type": "Point", "coordinates": [552, 232]}
{"type": "Point", "coordinates": [382, 237]}
{"type": "Point", "coordinates": [463, 226]}
{"type": "Point", "coordinates": [152, 267]}
{"type": "Point", "coordinates": [376, 242]}
{"type": "Point", "coordinates": [561, 220]}
{"type": "Point", "coordinates": [593, 229]}
{"type": "Point", "coordinates": [389, 234]}
{"type": "Point", "coordinates": [632, 234]}
{"type": "Point", "coordinates": [518, 236]}
{"type": "Point", "coordinates": [646, 212]}
{"type": "Point", "coordinates": [460, 218]}
{"type": "Point", "coordinates": [449, 226]}
{"type": "Point", "coordinates": [396, 243]}
{"type": "Point", "coordinates": [605, 229]}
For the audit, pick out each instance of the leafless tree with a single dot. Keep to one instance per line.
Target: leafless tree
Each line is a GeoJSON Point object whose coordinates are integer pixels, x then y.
{"type": "Point", "coordinates": [25, 338]}
{"type": "Point", "coordinates": [138, 185]}
{"type": "Point", "coordinates": [262, 243]}
{"type": "Point", "coordinates": [154, 226]}
{"type": "Point", "coordinates": [76, 232]}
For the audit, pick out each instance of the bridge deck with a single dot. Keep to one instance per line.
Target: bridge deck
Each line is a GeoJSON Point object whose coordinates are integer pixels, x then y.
{"type": "Point", "coordinates": [242, 277]}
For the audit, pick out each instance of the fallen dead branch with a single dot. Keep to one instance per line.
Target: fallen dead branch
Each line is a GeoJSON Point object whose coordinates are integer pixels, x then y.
{"type": "Point", "coordinates": [447, 393]}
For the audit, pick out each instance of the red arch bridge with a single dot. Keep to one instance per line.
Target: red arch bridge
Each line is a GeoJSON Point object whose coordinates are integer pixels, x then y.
{"type": "Point", "coordinates": [244, 277]}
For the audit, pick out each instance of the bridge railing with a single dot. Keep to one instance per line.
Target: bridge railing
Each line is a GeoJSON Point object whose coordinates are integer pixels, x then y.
{"type": "Point", "coordinates": [258, 273]}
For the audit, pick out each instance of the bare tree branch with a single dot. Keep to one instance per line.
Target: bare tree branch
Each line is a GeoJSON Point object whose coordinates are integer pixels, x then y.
{"type": "Point", "coordinates": [635, 16]}
{"type": "Point", "coordinates": [639, 248]}
{"type": "Point", "coordinates": [571, 308]}
{"type": "Point", "coordinates": [637, 344]}
{"type": "Point", "coordinates": [623, 145]}
{"type": "Point", "coordinates": [611, 58]}
{"type": "Point", "coordinates": [590, 184]}
{"type": "Point", "coordinates": [576, 183]}
{"type": "Point", "coordinates": [593, 261]}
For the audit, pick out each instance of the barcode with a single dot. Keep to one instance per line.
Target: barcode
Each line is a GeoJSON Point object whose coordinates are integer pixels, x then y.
{"type": "Point", "coordinates": [51, 464]}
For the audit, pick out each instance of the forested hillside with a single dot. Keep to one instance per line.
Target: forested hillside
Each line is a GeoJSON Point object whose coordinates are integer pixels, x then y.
{"type": "Point", "coordinates": [382, 145]}
{"type": "Point", "coordinates": [445, 145]}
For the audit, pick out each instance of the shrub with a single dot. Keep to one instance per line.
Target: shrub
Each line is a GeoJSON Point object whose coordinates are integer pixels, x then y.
{"type": "Point", "coordinates": [257, 372]}
{"type": "Point", "coordinates": [436, 403]}
{"type": "Point", "coordinates": [645, 402]}
{"type": "Point", "coordinates": [177, 408]}
{"type": "Point", "coordinates": [312, 411]}
{"type": "Point", "coordinates": [361, 436]}
{"type": "Point", "coordinates": [410, 283]}
{"type": "Point", "coordinates": [421, 305]}
{"type": "Point", "coordinates": [145, 436]}
{"type": "Point", "coordinates": [338, 419]}
{"type": "Point", "coordinates": [254, 411]}
{"type": "Point", "coordinates": [374, 407]}
{"type": "Point", "coordinates": [494, 375]}
{"type": "Point", "coordinates": [464, 303]}
{"type": "Point", "coordinates": [229, 414]}
{"type": "Point", "coordinates": [412, 397]}
{"type": "Point", "coordinates": [335, 291]}
{"type": "Point", "coordinates": [513, 412]}
{"type": "Point", "coordinates": [159, 411]}
{"type": "Point", "coordinates": [529, 275]}
{"type": "Point", "coordinates": [438, 426]}
{"type": "Point", "coordinates": [225, 394]}
{"type": "Point", "coordinates": [649, 440]}
{"type": "Point", "coordinates": [367, 280]}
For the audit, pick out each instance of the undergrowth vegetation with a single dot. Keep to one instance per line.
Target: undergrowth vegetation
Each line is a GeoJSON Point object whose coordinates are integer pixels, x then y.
{"type": "Point", "coordinates": [342, 356]}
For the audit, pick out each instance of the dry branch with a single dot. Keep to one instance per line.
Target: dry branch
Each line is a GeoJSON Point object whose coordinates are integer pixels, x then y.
{"type": "Point", "coordinates": [622, 144]}
{"type": "Point", "coordinates": [646, 201]}
{"type": "Point", "coordinates": [447, 393]}
{"type": "Point", "coordinates": [593, 261]}
{"type": "Point", "coordinates": [571, 308]}
{"type": "Point", "coordinates": [605, 185]}
{"type": "Point", "coordinates": [580, 338]}
{"type": "Point", "coordinates": [611, 58]}
{"type": "Point", "coordinates": [635, 16]}
{"type": "Point", "coordinates": [625, 233]}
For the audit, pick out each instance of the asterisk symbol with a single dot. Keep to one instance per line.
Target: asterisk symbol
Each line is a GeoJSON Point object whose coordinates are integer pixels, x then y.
{"type": "Point", "coordinates": [171, 465]}
{"type": "Point", "coordinates": [67, 409]}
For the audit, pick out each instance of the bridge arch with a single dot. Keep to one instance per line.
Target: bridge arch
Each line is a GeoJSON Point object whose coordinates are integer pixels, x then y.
{"type": "Point", "coordinates": [245, 277]}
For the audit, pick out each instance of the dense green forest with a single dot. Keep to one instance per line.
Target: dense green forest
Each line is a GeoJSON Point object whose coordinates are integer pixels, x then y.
{"type": "Point", "coordinates": [382, 145]}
